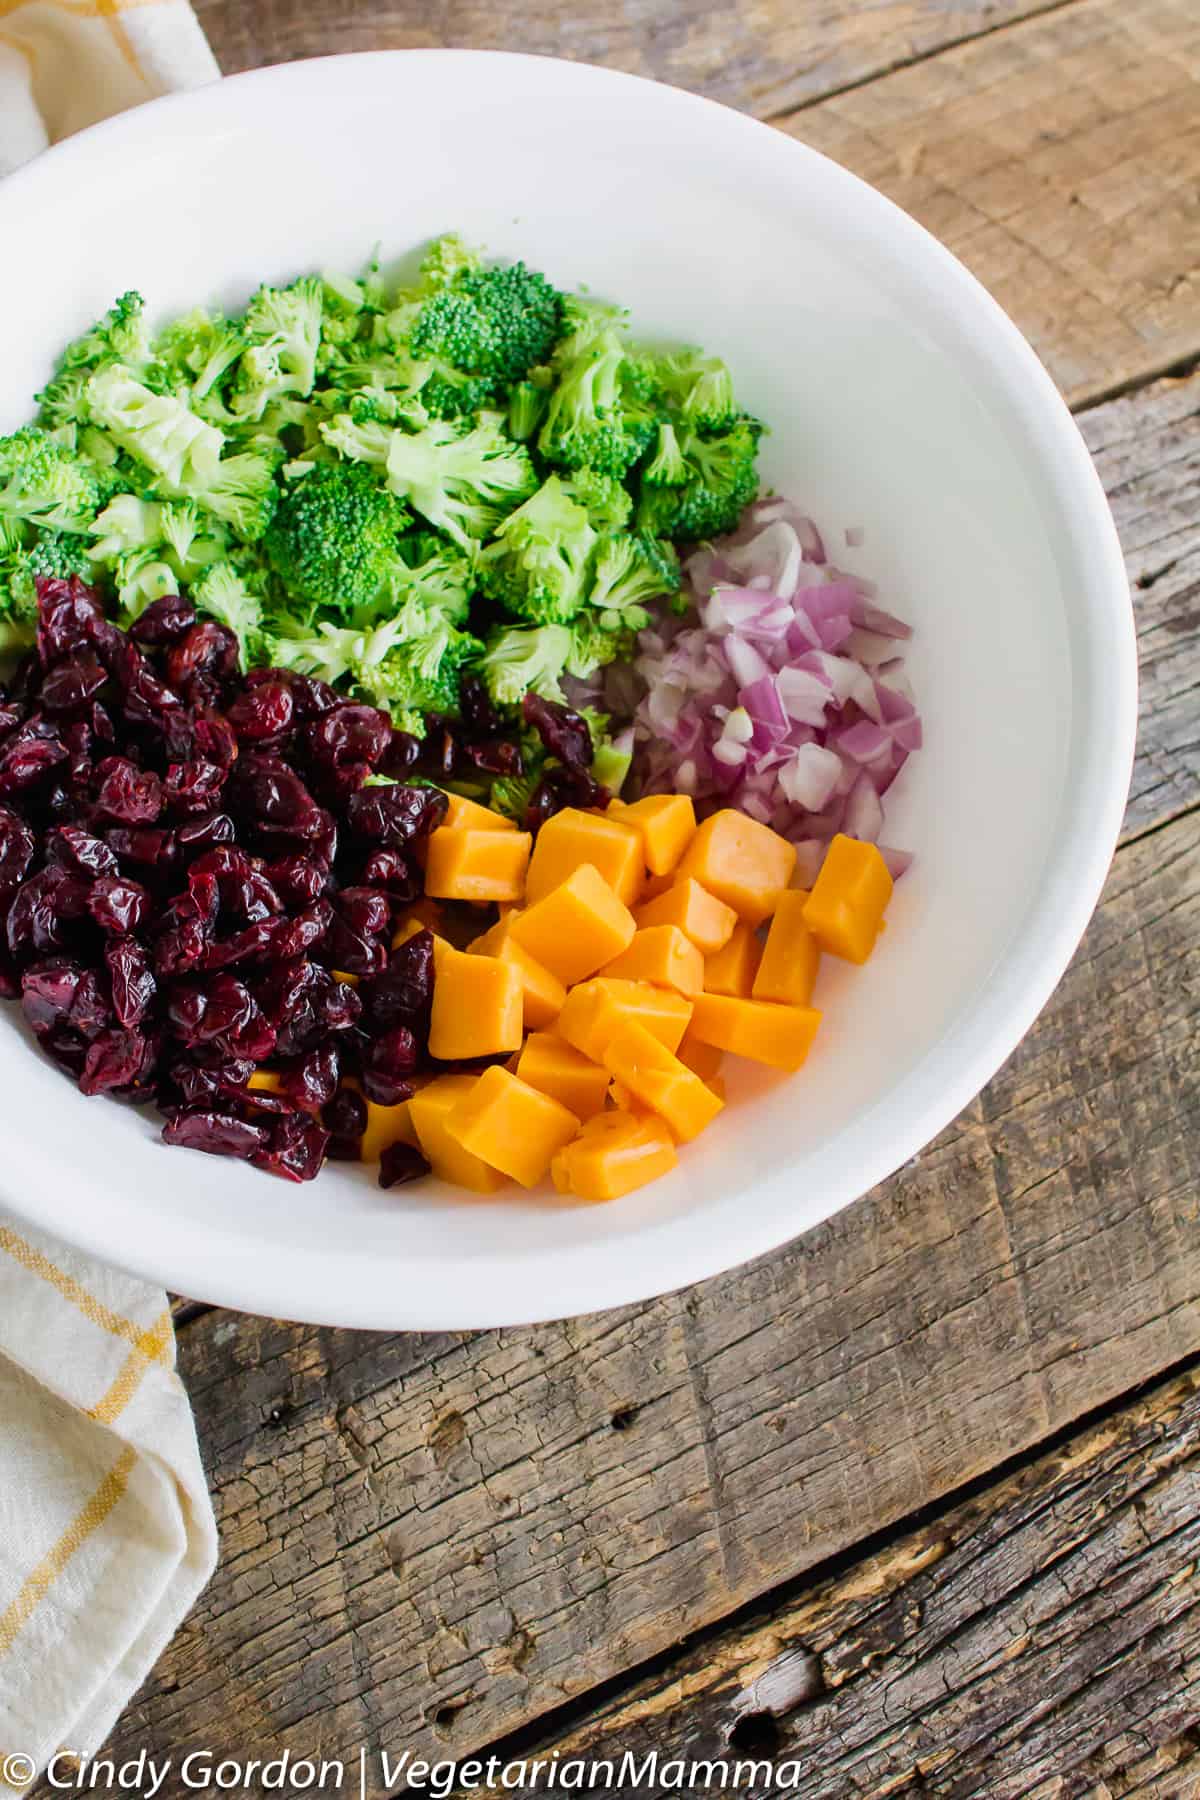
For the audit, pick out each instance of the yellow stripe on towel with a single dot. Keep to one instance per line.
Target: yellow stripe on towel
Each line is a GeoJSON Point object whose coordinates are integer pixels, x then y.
{"type": "Point", "coordinates": [148, 1342]}
{"type": "Point", "coordinates": [42, 1579]}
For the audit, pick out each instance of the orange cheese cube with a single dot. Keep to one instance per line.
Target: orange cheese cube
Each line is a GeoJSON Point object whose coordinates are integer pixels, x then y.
{"type": "Point", "coordinates": [733, 968]}
{"type": "Point", "coordinates": [266, 1081]}
{"type": "Point", "coordinates": [758, 1029]}
{"type": "Point", "coordinates": [429, 1110]}
{"type": "Point", "coordinates": [703, 1060]}
{"type": "Point", "coordinates": [845, 910]}
{"type": "Point", "coordinates": [660, 1081]}
{"type": "Point", "coordinates": [409, 928]}
{"type": "Point", "coordinates": [788, 968]}
{"type": "Point", "coordinates": [577, 928]}
{"type": "Point", "coordinates": [555, 1067]}
{"type": "Point", "coordinates": [654, 885]}
{"type": "Point", "coordinates": [386, 1125]}
{"type": "Point", "coordinates": [478, 1006]}
{"type": "Point", "coordinates": [666, 824]}
{"type": "Point", "coordinates": [662, 954]}
{"type": "Point", "coordinates": [350, 980]}
{"type": "Point", "coordinates": [571, 837]}
{"type": "Point", "coordinates": [596, 1010]}
{"type": "Point", "coordinates": [544, 992]}
{"type": "Point", "coordinates": [742, 862]}
{"type": "Point", "coordinates": [466, 864]}
{"type": "Point", "coordinates": [613, 1154]}
{"type": "Point", "coordinates": [511, 1126]}
{"type": "Point", "coordinates": [463, 814]}
{"type": "Point", "coordinates": [699, 915]}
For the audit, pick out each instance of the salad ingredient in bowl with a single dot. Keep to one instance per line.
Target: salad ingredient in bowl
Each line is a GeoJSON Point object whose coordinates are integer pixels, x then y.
{"type": "Point", "coordinates": [362, 545]}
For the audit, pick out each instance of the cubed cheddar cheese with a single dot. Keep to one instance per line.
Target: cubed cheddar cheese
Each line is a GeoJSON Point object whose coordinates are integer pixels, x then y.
{"type": "Point", "coordinates": [666, 824]}
{"type": "Point", "coordinates": [265, 1081]}
{"type": "Point", "coordinates": [703, 1060]}
{"type": "Point", "coordinates": [845, 910]}
{"type": "Point", "coordinates": [654, 885]}
{"type": "Point", "coordinates": [614, 1153]}
{"type": "Point", "coordinates": [663, 955]}
{"type": "Point", "coordinates": [409, 928]}
{"type": "Point", "coordinates": [429, 1110]}
{"type": "Point", "coordinates": [733, 968]}
{"type": "Point", "coordinates": [511, 1126]}
{"type": "Point", "coordinates": [386, 1125]}
{"type": "Point", "coordinates": [577, 928]}
{"type": "Point", "coordinates": [571, 837]}
{"type": "Point", "coordinates": [758, 1029]}
{"type": "Point", "coordinates": [544, 992]}
{"type": "Point", "coordinates": [555, 1067]}
{"type": "Point", "coordinates": [595, 1010]}
{"type": "Point", "coordinates": [463, 814]}
{"type": "Point", "coordinates": [699, 915]}
{"type": "Point", "coordinates": [745, 864]}
{"type": "Point", "coordinates": [788, 970]}
{"type": "Point", "coordinates": [478, 1007]}
{"type": "Point", "coordinates": [648, 1070]}
{"type": "Point", "coordinates": [343, 975]}
{"type": "Point", "coordinates": [464, 863]}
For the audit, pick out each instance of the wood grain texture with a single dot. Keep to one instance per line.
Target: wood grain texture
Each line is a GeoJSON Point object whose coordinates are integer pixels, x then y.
{"type": "Point", "coordinates": [763, 56]}
{"type": "Point", "coordinates": [436, 1539]}
{"type": "Point", "coordinates": [1061, 160]}
{"type": "Point", "coordinates": [1040, 1639]}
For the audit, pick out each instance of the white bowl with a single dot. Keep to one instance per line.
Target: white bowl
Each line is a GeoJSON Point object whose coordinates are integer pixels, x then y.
{"type": "Point", "coordinates": [900, 399]}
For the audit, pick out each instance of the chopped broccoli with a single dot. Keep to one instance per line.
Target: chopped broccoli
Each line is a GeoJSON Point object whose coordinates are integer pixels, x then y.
{"type": "Point", "coordinates": [242, 491]}
{"type": "Point", "coordinates": [442, 576]}
{"type": "Point", "coordinates": [608, 504]}
{"type": "Point", "coordinates": [119, 337]}
{"type": "Point", "coordinates": [610, 764]}
{"type": "Point", "coordinates": [520, 660]}
{"type": "Point", "coordinates": [595, 643]}
{"type": "Point", "coordinates": [197, 352]}
{"type": "Point", "coordinates": [462, 482]}
{"type": "Point", "coordinates": [630, 571]}
{"type": "Point", "coordinates": [229, 597]}
{"type": "Point", "coordinates": [282, 328]}
{"type": "Point", "coordinates": [537, 567]}
{"type": "Point", "coordinates": [333, 537]}
{"type": "Point", "coordinates": [700, 387]}
{"type": "Point", "coordinates": [43, 483]}
{"type": "Point", "coordinates": [139, 577]}
{"type": "Point", "coordinates": [170, 531]}
{"type": "Point", "coordinates": [159, 430]}
{"type": "Point", "coordinates": [595, 418]}
{"type": "Point", "coordinates": [421, 675]}
{"type": "Point", "coordinates": [59, 555]}
{"type": "Point", "coordinates": [496, 323]}
{"type": "Point", "coordinates": [668, 466]}
{"type": "Point", "coordinates": [721, 479]}
{"type": "Point", "coordinates": [511, 794]}
{"type": "Point", "coordinates": [526, 405]}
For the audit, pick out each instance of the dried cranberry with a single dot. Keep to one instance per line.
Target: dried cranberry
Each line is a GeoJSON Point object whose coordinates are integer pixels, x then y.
{"type": "Point", "coordinates": [222, 1012]}
{"type": "Point", "coordinates": [204, 834]}
{"type": "Point", "coordinates": [401, 756]}
{"type": "Point", "coordinates": [17, 845]}
{"type": "Point", "coordinates": [208, 648]}
{"type": "Point", "coordinates": [345, 1118]}
{"type": "Point", "coordinates": [60, 994]}
{"type": "Point", "coordinates": [496, 756]}
{"type": "Point", "coordinates": [563, 787]}
{"type": "Point", "coordinates": [301, 934]}
{"type": "Point", "coordinates": [72, 682]}
{"type": "Point", "coordinates": [564, 733]}
{"type": "Point", "coordinates": [149, 701]}
{"type": "Point", "coordinates": [131, 982]}
{"type": "Point", "coordinates": [213, 739]}
{"type": "Point", "coordinates": [403, 993]}
{"type": "Point", "coordinates": [118, 905]}
{"type": "Point", "coordinates": [388, 1063]}
{"type": "Point", "coordinates": [396, 814]}
{"type": "Point", "coordinates": [296, 1149]}
{"type": "Point", "coordinates": [197, 1129]}
{"type": "Point", "coordinates": [241, 885]}
{"type": "Point", "coordinates": [114, 1060]}
{"type": "Point", "coordinates": [130, 795]}
{"type": "Point", "coordinates": [296, 879]}
{"type": "Point", "coordinates": [262, 713]}
{"type": "Point", "coordinates": [11, 714]}
{"type": "Point", "coordinates": [41, 909]}
{"type": "Point", "coordinates": [313, 1080]}
{"type": "Point", "coordinates": [361, 916]}
{"type": "Point", "coordinates": [392, 870]}
{"type": "Point", "coordinates": [68, 614]}
{"type": "Point", "coordinates": [28, 753]}
{"type": "Point", "coordinates": [349, 741]}
{"type": "Point", "coordinates": [193, 788]}
{"type": "Point", "coordinates": [147, 845]}
{"type": "Point", "coordinates": [79, 851]}
{"type": "Point", "coordinates": [263, 790]}
{"type": "Point", "coordinates": [399, 1163]}
{"type": "Point", "coordinates": [475, 704]}
{"type": "Point", "coordinates": [164, 621]}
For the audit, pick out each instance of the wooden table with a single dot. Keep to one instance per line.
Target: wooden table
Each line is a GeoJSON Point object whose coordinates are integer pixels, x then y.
{"type": "Point", "coordinates": [912, 1504]}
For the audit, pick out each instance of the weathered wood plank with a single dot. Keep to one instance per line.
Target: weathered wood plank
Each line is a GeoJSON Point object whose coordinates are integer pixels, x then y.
{"type": "Point", "coordinates": [1040, 1639]}
{"type": "Point", "coordinates": [433, 1540]}
{"type": "Point", "coordinates": [1061, 160]}
{"type": "Point", "coordinates": [763, 56]}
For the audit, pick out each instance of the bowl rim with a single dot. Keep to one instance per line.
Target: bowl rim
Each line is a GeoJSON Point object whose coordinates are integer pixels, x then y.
{"type": "Point", "coordinates": [303, 1284]}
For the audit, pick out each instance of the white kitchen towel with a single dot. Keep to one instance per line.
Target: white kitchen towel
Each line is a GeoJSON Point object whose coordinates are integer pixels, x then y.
{"type": "Point", "coordinates": [67, 63]}
{"type": "Point", "coordinates": [106, 1528]}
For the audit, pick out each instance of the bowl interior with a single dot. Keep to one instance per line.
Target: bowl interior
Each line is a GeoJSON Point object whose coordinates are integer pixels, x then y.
{"type": "Point", "coordinates": [899, 401]}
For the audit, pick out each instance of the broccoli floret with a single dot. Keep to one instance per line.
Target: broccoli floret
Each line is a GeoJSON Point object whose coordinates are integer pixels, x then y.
{"type": "Point", "coordinates": [333, 537]}
{"type": "Point", "coordinates": [464, 483]}
{"type": "Point", "coordinates": [197, 352]}
{"type": "Point", "coordinates": [722, 479]}
{"type": "Point", "coordinates": [595, 644]}
{"type": "Point", "coordinates": [170, 531]}
{"type": "Point", "coordinates": [495, 323]}
{"type": "Point", "coordinates": [511, 794]}
{"type": "Point", "coordinates": [526, 405]}
{"type": "Point", "coordinates": [595, 418]}
{"type": "Point", "coordinates": [610, 764]}
{"type": "Point", "coordinates": [441, 576]}
{"type": "Point", "coordinates": [242, 491]}
{"type": "Point", "coordinates": [445, 260]}
{"type": "Point", "coordinates": [139, 577]}
{"type": "Point", "coordinates": [630, 571]}
{"type": "Point", "coordinates": [668, 466]}
{"type": "Point", "coordinates": [227, 595]}
{"type": "Point", "coordinates": [421, 675]}
{"type": "Point", "coordinates": [608, 504]}
{"type": "Point", "coordinates": [537, 567]}
{"type": "Point", "coordinates": [282, 328]}
{"type": "Point", "coordinates": [518, 661]}
{"type": "Point", "coordinates": [44, 483]}
{"type": "Point", "coordinates": [158, 430]}
{"type": "Point", "coordinates": [58, 555]}
{"type": "Point", "coordinates": [700, 388]}
{"type": "Point", "coordinates": [583, 321]}
{"type": "Point", "coordinates": [119, 337]}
